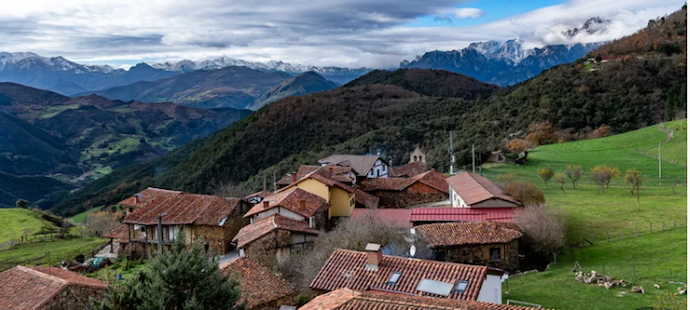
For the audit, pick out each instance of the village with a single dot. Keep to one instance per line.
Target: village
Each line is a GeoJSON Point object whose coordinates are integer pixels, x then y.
{"type": "Point", "coordinates": [464, 224]}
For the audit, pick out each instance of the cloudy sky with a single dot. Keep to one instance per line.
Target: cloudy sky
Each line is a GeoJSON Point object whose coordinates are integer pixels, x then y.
{"type": "Point", "coordinates": [349, 33]}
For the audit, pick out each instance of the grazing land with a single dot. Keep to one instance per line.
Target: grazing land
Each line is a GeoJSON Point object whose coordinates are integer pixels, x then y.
{"type": "Point", "coordinates": [621, 234]}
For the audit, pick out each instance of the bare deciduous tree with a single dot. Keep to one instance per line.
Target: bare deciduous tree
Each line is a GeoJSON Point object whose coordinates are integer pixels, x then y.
{"type": "Point", "coordinates": [603, 174]}
{"type": "Point", "coordinates": [543, 229]}
{"type": "Point", "coordinates": [524, 192]}
{"type": "Point", "coordinates": [635, 178]}
{"type": "Point", "coordinates": [574, 173]}
{"type": "Point", "coordinates": [561, 178]}
{"type": "Point", "coordinates": [102, 222]}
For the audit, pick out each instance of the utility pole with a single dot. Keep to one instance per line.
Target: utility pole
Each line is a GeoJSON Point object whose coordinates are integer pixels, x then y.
{"type": "Point", "coordinates": [275, 186]}
{"type": "Point", "coordinates": [659, 160]}
{"type": "Point", "coordinates": [264, 174]}
{"type": "Point", "coordinates": [160, 232]}
{"type": "Point", "coordinates": [452, 155]}
{"type": "Point", "coordinates": [472, 158]}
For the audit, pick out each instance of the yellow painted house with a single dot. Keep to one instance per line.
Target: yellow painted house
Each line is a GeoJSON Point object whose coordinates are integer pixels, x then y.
{"type": "Point", "coordinates": [340, 196]}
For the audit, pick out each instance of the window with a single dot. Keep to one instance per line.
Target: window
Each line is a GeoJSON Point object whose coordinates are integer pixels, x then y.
{"type": "Point", "coordinates": [461, 287]}
{"type": "Point", "coordinates": [495, 253]}
{"type": "Point", "coordinates": [395, 276]}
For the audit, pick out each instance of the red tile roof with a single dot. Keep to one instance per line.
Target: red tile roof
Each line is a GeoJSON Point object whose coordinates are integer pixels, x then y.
{"type": "Point", "coordinates": [333, 275]}
{"type": "Point", "coordinates": [121, 234]}
{"type": "Point", "coordinates": [361, 164]}
{"type": "Point", "coordinates": [260, 228]}
{"type": "Point", "coordinates": [336, 173]}
{"type": "Point", "coordinates": [431, 178]}
{"type": "Point", "coordinates": [346, 299]}
{"type": "Point", "coordinates": [474, 188]}
{"type": "Point", "coordinates": [324, 176]}
{"type": "Point", "coordinates": [259, 285]}
{"type": "Point", "coordinates": [408, 170]}
{"type": "Point", "coordinates": [31, 287]}
{"type": "Point", "coordinates": [295, 199]}
{"type": "Point", "coordinates": [462, 233]}
{"type": "Point", "coordinates": [450, 214]}
{"type": "Point", "coordinates": [394, 217]}
{"type": "Point", "coordinates": [368, 200]}
{"type": "Point", "coordinates": [180, 208]}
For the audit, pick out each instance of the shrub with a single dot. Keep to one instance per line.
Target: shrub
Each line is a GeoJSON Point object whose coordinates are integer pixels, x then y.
{"type": "Point", "coordinates": [545, 174]}
{"type": "Point", "coordinates": [603, 174]}
{"type": "Point", "coordinates": [635, 178]}
{"type": "Point", "coordinates": [524, 192]}
{"type": "Point", "coordinates": [541, 133]}
{"type": "Point", "coordinates": [518, 146]}
{"type": "Point", "coordinates": [561, 178]}
{"type": "Point", "coordinates": [574, 173]}
{"type": "Point", "coordinates": [543, 228]}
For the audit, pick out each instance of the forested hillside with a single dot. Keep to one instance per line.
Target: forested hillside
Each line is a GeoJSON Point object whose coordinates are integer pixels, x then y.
{"type": "Point", "coordinates": [392, 119]}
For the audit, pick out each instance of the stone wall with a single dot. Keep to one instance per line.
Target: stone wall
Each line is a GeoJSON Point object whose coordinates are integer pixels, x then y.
{"type": "Point", "coordinates": [480, 254]}
{"type": "Point", "coordinates": [265, 250]}
{"type": "Point", "coordinates": [73, 297]}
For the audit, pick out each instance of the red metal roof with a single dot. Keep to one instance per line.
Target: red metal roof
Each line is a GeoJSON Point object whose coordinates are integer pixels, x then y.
{"type": "Point", "coordinates": [450, 214]}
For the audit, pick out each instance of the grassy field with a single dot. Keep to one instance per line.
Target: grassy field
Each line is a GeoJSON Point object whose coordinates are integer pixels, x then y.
{"type": "Point", "coordinates": [51, 250]}
{"type": "Point", "coordinates": [82, 216]}
{"type": "Point", "coordinates": [653, 255]}
{"type": "Point", "coordinates": [14, 221]}
{"type": "Point", "coordinates": [612, 215]}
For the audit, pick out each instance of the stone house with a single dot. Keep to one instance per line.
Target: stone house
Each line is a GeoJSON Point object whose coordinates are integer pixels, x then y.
{"type": "Point", "coordinates": [371, 270]}
{"type": "Point", "coordinates": [397, 192]}
{"type": "Point", "coordinates": [210, 219]}
{"type": "Point", "coordinates": [364, 166]}
{"type": "Point", "coordinates": [469, 190]}
{"type": "Point", "coordinates": [294, 203]}
{"type": "Point", "coordinates": [261, 288]}
{"type": "Point", "coordinates": [408, 170]}
{"type": "Point", "coordinates": [273, 239]}
{"type": "Point", "coordinates": [47, 288]}
{"type": "Point", "coordinates": [478, 243]}
{"type": "Point", "coordinates": [324, 183]}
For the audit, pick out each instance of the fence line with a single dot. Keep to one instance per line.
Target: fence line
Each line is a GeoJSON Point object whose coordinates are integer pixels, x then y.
{"type": "Point", "coordinates": [636, 230]}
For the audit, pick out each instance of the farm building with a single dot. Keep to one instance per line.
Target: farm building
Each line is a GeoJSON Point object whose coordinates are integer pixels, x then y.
{"type": "Point", "coordinates": [478, 243]}
{"type": "Point", "coordinates": [29, 288]}
{"type": "Point", "coordinates": [371, 270]}
{"type": "Point", "coordinates": [364, 166]}
{"type": "Point", "coordinates": [261, 288]}
{"type": "Point", "coordinates": [212, 219]}
{"type": "Point", "coordinates": [396, 192]}
{"type": "Point", "coordinates": [271, 240]}
{"type": "Point", "coordinates": [468, 190]}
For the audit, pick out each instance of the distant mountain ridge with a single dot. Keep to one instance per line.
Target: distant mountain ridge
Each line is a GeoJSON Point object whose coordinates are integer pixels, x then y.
{"type": "Point", "coordinates": [66, 77]}
{"type": "Point", "coordinates": [501, 63]}
{"type": "Point", "coordinates": [234, 87]}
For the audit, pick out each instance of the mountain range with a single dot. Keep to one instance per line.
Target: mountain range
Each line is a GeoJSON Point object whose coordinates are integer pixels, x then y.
{"type": "Point", "coordinates": [233, 87]}
{"type": "Point", "coordinates": [501, 63]}
{"type": "Point", "coordinates": [392, 112]}
{"type": "Point", "coordinates": [60, 141]}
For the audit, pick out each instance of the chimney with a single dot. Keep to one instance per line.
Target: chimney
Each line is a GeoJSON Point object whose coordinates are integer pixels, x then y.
{"type": "Point", "coordinates": [374, 256]}
{"type": "Point", "coordinates": [294, 177]}
{"type": "Point", "coordinates": [265, 202]}
{"type": "Point", "coordinates": [330, 169]}
{"type": "Point", "coordinates": [136, 198]}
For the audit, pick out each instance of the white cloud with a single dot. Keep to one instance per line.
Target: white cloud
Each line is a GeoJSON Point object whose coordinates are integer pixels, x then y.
{"type": "Point", "coordinates": [349, 33]}
{"type": "Point", "coordinates": [468, 13]}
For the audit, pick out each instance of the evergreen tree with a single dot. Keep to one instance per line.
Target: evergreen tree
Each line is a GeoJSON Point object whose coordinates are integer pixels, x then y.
{"type": "Point", "coordinates": [177, 279]}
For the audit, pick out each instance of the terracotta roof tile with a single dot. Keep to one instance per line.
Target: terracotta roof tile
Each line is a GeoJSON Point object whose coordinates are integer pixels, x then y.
{"type": "Point", "coordinates": [31, 287]}
{"type": "Point", "coordinates": [324, 176]}
{"type": "Point", "coordinates": [345, 299]}
{"type": "Point", "coordinates": [121, 234]}
{"type": "Point", "coordinates": [450, 214]}
{"type": "Point", "coordinates": [259, 285]}
{"type": "Point", "coordinates": [431, 178]}
{"type": "Point", "coordinates": [408, 170]}
{"type": "Point", "coordinates": [295, 199]}
{"type": "Point", "coordinates": [368, 200]}
{"type": "Point", "coordinates": [461, 233]}
{"type": "Point", "coordinates": [361, 164]}
{"type": "Point", "coordinates": [180, 208]}
{"type": "Point", "coordinates": [262, 194]}
{"type": "Point", "coordinates": [475, 188]}
{"type": "Point", "coordinates": [266, 225]}
{"type": "Point", "coordinates": [333, 275]}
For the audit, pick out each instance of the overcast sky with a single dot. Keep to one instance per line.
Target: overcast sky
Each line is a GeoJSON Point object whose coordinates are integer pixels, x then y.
{"type": "Point", "coordinates": [349, 33]}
